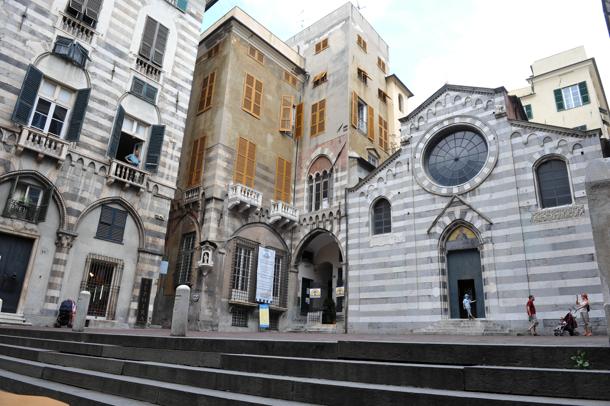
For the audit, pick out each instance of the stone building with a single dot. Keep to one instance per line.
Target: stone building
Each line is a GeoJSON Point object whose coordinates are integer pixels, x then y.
{"type": "Point", "coordinates": [276, 131]}
{"type": "Point", "coordinates": [478, 200]}
{"type": "Point", "coordinates": [93, 102]}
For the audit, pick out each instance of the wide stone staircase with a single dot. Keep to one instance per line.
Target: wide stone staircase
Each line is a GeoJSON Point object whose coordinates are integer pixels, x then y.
{"type": "Point", "coordinates": [122, 369]}
{"type": "Point", "coordinates": [465, 327]}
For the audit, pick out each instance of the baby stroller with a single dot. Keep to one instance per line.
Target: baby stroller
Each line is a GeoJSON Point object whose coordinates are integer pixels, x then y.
{"type": "Point", "coordinates": [567, 323]}
{"type": "Point", "coordinates": [67, 309]}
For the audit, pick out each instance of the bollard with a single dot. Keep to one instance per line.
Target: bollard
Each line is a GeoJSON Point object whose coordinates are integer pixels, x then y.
{"type": "Point", "coordinates": [181, 311]}
{"type": "Point", "coordinates": [0, 305]}
{"type": "Point", "coordinates": [82, 307]}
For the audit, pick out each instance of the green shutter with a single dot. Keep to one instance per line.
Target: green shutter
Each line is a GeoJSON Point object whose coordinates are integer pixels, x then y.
{"type": "Point", "coordinates": [148, 38]}
{"type": "Point", "coordinates": [559, 100]}
{"type": "Point", "coordinates": [116, 133]}
{"type": "Point", "coordinates": [160, 44]}
{"type": "Point", "coordinates": [143, 90]}
{"type": "Point", "coordinates": [584, 93]}
{"type": "Point", "coordinates": [78, 115]}
{"type": "Point", "coordinates": [93, 9]}
{"type": "Point", "coordinates": [27, 96]}
{"type": "Point", "coordinates": [182, 4]}
{"type": "Point", "coordinates": [153, 155]}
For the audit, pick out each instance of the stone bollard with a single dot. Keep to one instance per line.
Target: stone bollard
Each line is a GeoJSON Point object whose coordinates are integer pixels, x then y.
{"type": "Point", "coordinates": [0, 305]}
{"type": "Point", "coordinates": [181, 311]}
{"type": "Point", "coordinates": [82, 307]}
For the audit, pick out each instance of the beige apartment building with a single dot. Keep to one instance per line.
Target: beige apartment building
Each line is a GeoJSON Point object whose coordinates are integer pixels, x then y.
{"type": "Point", "coordinates": [566, 90]}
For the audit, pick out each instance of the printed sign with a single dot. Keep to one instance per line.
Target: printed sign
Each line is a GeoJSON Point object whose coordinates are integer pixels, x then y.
{"type": "Point", "coordinates": [315, 293]}
{"type": "Point", "coordinates": [263, 316]}
{"type": "Point", "coordinates": [264, 275]}
{"type": "Point", "coordinates": [163, 268]}
{"type": "Point", "coordinates": [340, 291]}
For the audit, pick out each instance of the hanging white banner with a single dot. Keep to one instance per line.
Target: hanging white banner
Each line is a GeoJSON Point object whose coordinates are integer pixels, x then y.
{"type": "Point", "coordinates": [264, 275]}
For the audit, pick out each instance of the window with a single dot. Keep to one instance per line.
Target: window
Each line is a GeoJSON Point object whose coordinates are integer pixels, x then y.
{"type": "Point", "coordinates": [361, 43]}
{"type": "Point", "coordinates": [184, 262]}
{"type": "Point", "coordinates": [245, 165]}
{"type": "Point", "coordinates": [383, 133]}
{"type": "Point", "coordinates": [383, 96]}
{"type": "Point", "coordinates": [318, 117]}
{"type": "Point", "coordinates": [381, 64]}
{"type": "Point", "coordinates": [212, 52]}
{"type": "Point", "coordinates": [298, 122]}
{"type": "Point", "coordinates": [373, 159]}
{"type": "Point", "coordinates": [571, 96]}
{"type": "Point", "coordinates": [253, 95]}
{"type": "Point", "coordinates": [207, 92]}
{"type": "Point", "coordinates": [256, 55]}
{"type": "Point", "coordinates": [111, 225]}
{"type": "Point", "coordinates": [239, 317]}
{"type": "Point", "coordinates": [319, 190]}
{"type": "Point", "coordinates": [382, 217]}
{"type": "Point", "coordinates": [363, 76]}
{"type": "Point", "coordinates": [363, 116]}
{"type": "Point", "coordinates": [52, 108]}
{"type": "Point", "coordinates": [528, 111]}
{"type": "Point", "coordinates": [291, 79]}
{"type": "Point", "coordinates": [154, 41]}
{"type": "Point", "coordinates": [27, 201]}
{"type": "Point", "coordinates": [86, 11]}
{"type": "Point", "coordinates": [400, 103]}
{"type": "Point", "coordinates": [143, 90]}
{"type": "Point", "coordinates": [133, 137]}
{"type": "Point", "coordinates": [102, 278]}
{"type": "Point", "coordinates": [243, 264]}
{"type": "Point", "coordinates": [286, 113]}
{"type": "Point", "coordinates": [283, 175]}
{"type": "Point", "coordinates": [70, 50]}
{"type": "Point", "coordinates": [553, 183]}
{"type": "Point", "coordinates": [322, 45]}
{"type": "Point", "coordinates": [319, 79]}
{"type": "Point", "coordinates": [196, 162]}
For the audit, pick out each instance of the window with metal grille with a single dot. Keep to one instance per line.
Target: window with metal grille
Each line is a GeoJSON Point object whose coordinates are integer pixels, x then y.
{"type": "Point", "coordinates": [111, 226]}
{"type": "Point", "coordinates": [102, 279]}
{"type": "Point", "coordinates": [239, 317]}
{"type": "Point", "coordinates": [243, 264]}
{"type": "Point", "coordinates": [278, 276]}
{"type": "Point", "coordinates": [553, 183]}
{"type": "Point", "coordinates": [274, 321]}
{"type": "Point", "coordinates": [185, 259]}
{"type": "Point", "coordinates": [382, 217]}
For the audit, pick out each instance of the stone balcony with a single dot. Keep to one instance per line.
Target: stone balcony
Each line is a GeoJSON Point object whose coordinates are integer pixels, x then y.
{"type": "Point", "coordinates": [45, 145]}
{"type": "Point", "coordinates": [76, 28]}
{"type": "Point", "coordinates": [244, 198]}
{"type": "Point", "coordinates": [148, 69]}
{"type": "Point", "coordinates": [191, 195]}
{"type": "Point", "coordinates": [282, 214]}
{"type": "Point", "coordinates": [127, 174]}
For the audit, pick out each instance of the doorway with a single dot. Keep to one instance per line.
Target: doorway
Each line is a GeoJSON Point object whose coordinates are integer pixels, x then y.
{"type": "Point", "coordinates": [14, 259]}
{"type": "Point", "coordinates": [464, 270]}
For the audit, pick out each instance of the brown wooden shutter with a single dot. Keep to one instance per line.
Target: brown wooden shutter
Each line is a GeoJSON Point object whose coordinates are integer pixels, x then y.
{"type": "Point", "coordinates": [210, 91]}
{"type": "Point", "coordinates": [318, 47]}
{"type": "Point", "coordinates": [371, 124]}
{"type": "Point", "coordinates": [321, 116]}
{"type": "Point", "coordinates": [251, 165]}
{"type": "Point", "coordinates": [286, 113]}
{"type": "Point", "coordinates": [279, 178]}
{"type": "Point", "coordinates": [258, 98]}
{"type": "Point", "coordinates": [354, 110]}
{"type": "Point", "coordinates": [298, 126]}
{"type": "Point", "coordinates": [314, 119]}
{"type": "Point", "coordinates": [287, 178]}
{"type": "Point", "coordinates": [240, 161]}
{"type": "Point", "coordinates": [248, 93]}
{"type": "Point", "coordinates": [196, 164]}
{"type": "Point", "coordinates": [204, 90]}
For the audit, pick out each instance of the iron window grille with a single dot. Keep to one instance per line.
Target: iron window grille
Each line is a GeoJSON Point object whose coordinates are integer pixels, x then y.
{"type": "Point", "coordinates": [243, 282]}
{"type": "Point", "coordinates": [102, 279]}
{"type": "Point", "coordinates": [280, 280]}
{"type": "Point", "coordinates": [239, 317]}
{"type": "Point", "coordinates": [274, 321]}
{"type": "Point", "coordinates": [185, 259]}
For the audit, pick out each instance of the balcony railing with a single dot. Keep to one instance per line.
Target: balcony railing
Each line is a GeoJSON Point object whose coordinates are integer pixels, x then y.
{"type": "Point", "coordinates": [22, 210]}
{"type": "Point", "coordinates": [244, 198]}
{"type": "Point", "coordinates": [128, 174]}
{"type": "Point", "coordinates": [192, 195]}
{"type": "Point", "coordinates": [148, 69]}
{"type": "Point", "coordinates": [43, 144]}
{"type": "Point", "coordinates": [77, 28]}
{"type": "Point", "coordinates": [282, 213]}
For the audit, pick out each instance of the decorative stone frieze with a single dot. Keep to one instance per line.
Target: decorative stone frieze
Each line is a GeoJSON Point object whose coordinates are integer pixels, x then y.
{"type": "Point", "coordinates": [558, 213]}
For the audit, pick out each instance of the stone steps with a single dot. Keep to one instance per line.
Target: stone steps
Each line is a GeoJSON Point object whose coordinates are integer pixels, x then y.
{"type": "Point", "coordinates": [477, 327]}
{"type": "Point", "coordinates": [13, 319]}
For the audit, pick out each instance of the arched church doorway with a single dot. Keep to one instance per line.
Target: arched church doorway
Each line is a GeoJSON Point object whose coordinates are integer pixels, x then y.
{"type": "Point", "coordinates": [464, 274]}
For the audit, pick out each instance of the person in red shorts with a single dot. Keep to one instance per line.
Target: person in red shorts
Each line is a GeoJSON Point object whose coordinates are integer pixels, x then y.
{"type": "Point", "coordinates": [531, 314]}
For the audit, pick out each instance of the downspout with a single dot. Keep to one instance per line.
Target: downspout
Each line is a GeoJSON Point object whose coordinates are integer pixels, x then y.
{"type": "Point", "coordinates": [346, 262]}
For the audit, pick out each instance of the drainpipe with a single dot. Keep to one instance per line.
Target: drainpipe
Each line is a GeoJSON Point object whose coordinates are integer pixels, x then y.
{"type": "Point", "coordinates": [346, 262]}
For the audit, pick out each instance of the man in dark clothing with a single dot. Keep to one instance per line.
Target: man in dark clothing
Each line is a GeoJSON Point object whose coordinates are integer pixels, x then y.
{"type": "Point", "coordinates": [531, 313]}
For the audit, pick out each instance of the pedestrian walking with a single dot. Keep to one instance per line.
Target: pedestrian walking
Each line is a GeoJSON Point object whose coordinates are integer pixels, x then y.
{"type": "Point", "coordinates": [466, 303]}
{"type": "Point", "coordinates": [584, 308]}
{"type": "Point", "coordinates": [531, 314]}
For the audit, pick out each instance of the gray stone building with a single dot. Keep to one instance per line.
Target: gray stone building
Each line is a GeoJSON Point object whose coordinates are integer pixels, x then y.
{"type": "Point", "coordinates": [93, 102]}
{"type": "Point", "coordinates": [478, 200]}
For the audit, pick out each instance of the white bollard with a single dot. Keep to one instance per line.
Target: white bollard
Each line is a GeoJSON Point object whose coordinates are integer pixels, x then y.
{"type": "Point", "coordinates": [82, 307]}
{"type": "Point", "coordinates": [0, 305]}
{"type": "Point", "coordinates": [181, 311]}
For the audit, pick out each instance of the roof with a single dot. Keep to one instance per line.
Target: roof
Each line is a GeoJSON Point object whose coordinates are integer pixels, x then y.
{"type": "Point", "coordinates": [554, 128]}
{"type": "Point", "coordinates": [400, 84]}
{"type": "Point", "coordinates": [606, 7]}
{"type": "Point", "coordinates": [383, 165]}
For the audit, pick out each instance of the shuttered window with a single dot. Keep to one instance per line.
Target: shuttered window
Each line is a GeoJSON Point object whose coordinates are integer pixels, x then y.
{"type": "Point", "coordinates": [196, 163]}
{"type": "Point", "coordinates": [298, 122]}
{"type": "Point", "coordinates": [318, 117]}
{"type": "Point", "coordinates": [371, 124]}
{"type": "Point", "coordinates": [155, 145]}
{"type": "Point", "coordinates": [154, 41]}
{"type": "Point", "coordinates": [286, 113]}
{"type": "Point", "coordinates": [207, 92]}
{"type": "Point", "coordinates": [290, 78]}
{"type": "Point", "coordinates": [245, 163]}
{"type": "Point", "coordinates": [283, 170]}
{"type": "Point", "coordinates": [322, 45]}
{"type": "Point", "coordinates": [354, 120]}
{"type": "Point", "coordinates": [570, 97]}
{"type": "Point", "coordinates": [320, 78]}
{"type": "Point", "coordinates": [253, 95]}
{"type": "Point", "coordinates": [71, 51]}
{"type": "Point", "coordinates": [111, 226]}
{"type": "Point", "coordinates": [363, 75]}
{"type": "Point", "coordinates": [383, 96]}
{"type": "Point", "coordinates": [361, 43]}
{"type": "Point", "coordinates": [383, 133]}
{"type": "Point", "coordinates": [381, 64]}
{"type": "Point", "coordinates": [143, 90]}
{"type": "Point", "coordinates": [87, 11]}
{"type": "Point", "coordinates": [256, 54]}
{"type": "Point", "coordinates": [212, 52]}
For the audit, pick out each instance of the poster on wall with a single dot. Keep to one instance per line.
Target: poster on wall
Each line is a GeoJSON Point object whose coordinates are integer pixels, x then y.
{"type": "Point", "coordinates": [340, 291]}
{"type": "Point", "coordinates": [264, 275]}
{"type": "Point", "coordinates": [263, 316]}
{"type": "Point", "coordinates": [315, 293]}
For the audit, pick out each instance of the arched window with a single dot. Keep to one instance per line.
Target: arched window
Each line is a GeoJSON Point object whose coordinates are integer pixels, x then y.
{"type": "Point", "coordinates": [382, 217]}
{"type": "Point", "coordinates": [319, 191]}
{"type": "Point", "coordinates": [553, 183]}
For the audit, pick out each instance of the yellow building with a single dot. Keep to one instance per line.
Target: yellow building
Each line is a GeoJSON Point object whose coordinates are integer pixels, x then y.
{"type": "Point", "coordinates": [566, 90]}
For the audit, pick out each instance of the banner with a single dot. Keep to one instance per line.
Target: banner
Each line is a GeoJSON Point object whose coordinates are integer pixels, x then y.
{"type": "Point", "coordinates": [263, 316]}
{"type": "Point", "coordinates": [264, 275]}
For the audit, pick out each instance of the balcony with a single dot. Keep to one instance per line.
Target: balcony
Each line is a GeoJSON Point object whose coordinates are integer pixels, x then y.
{"type": "Point", "coordinates": [22, 210]}
{"type": "Point", "coordinates": [283, 214]}
{"type": "Point", "coordinates": [148, 69]}
{"type": "Point", "coordinates": [192, 195]}
{"type": "Point", "coordinates": [77, 28]}
{"type": "Point", "coordinates": [244, 198]}
{"type": "Point", "coordinates": [127, 174]}
{"type": "Point", "coordinates": [43, 144]}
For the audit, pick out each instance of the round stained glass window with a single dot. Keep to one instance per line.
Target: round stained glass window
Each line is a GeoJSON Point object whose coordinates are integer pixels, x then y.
{"type": "Point", "coordinates": [455, 158]}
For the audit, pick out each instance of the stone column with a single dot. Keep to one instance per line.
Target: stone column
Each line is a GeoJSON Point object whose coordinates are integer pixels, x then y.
{"type": "Point", "coordinates": [82, 308]}
{"type": "Point", "coordinates": [597, 183]}
{"type": "Point", "coordinates": [63, 244]}
{"type": "Point", "coordinates": [181, 311]}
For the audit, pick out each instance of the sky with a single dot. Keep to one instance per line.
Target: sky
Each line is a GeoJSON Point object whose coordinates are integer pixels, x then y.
{"type": "Point", "coordinates": [488, 43]}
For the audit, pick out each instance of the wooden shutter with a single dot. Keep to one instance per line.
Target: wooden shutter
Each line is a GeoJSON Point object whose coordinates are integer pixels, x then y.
{"type": "Point", "coordinates": [155, 145]}
{"type": "Point", "coordinates": [321, 116]}
{"type": "Point", "coordinates": [253, 95]}
{"type": "Point", "coordinates": [245, 166]}
{"type": "Point", "coordinates": [27, 96]}
{"type": "Point", "coordinates": [105, 223]}
{"type": "Point", "coordinates": [251, 164]}
{"type": "Point", "coordinates": [314, 120]}
{"type": "Point", "coordinates": [283, 170]}
{"type": "Point", "coordinates": [258, 98]}
{"type": "Point", "coordinates": [354, 110]}
{"type": "Point", "coordinates": [371, 124]}
{"type": "Point", "coordinates": [148, 38]}
{"type": "Point", "coordinates": [318, 47]}
{"type": "Point", "coordinates": [92, 10]}
{"type": "Point", "coordinates": [115, 137]}
{"type": "Point", "coordinates": [559, 100]}
{"type": "Point", "coordinates": [77, 5]}
{"type": "Point", "coordinates": [286, 113]}
{"type": "Point", "coordinates": [78, 115]}
{"type": "Point", "coordinates": [143, 90]}
{"type": "Point", "coordinates": [584, 92]}
{"type": "Point", "coordinates": [287, 178]}
{"type": "Point", "coordinates": [160, 44]}
{"type": "Point", "coordinates": [196, 163]}
{"type": "Point", "coordinates": [207, 91]}
{"type": "Point", "coordinates": [256, 54]}
{"type": "Point", "coordinates": [383, 134]}
{"type": "Point", "coordinates": [111, 225]}
{"type": "Point", "coordinates": [204, 91]}
{"type": "Point", "coordinates": [298, 125]}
